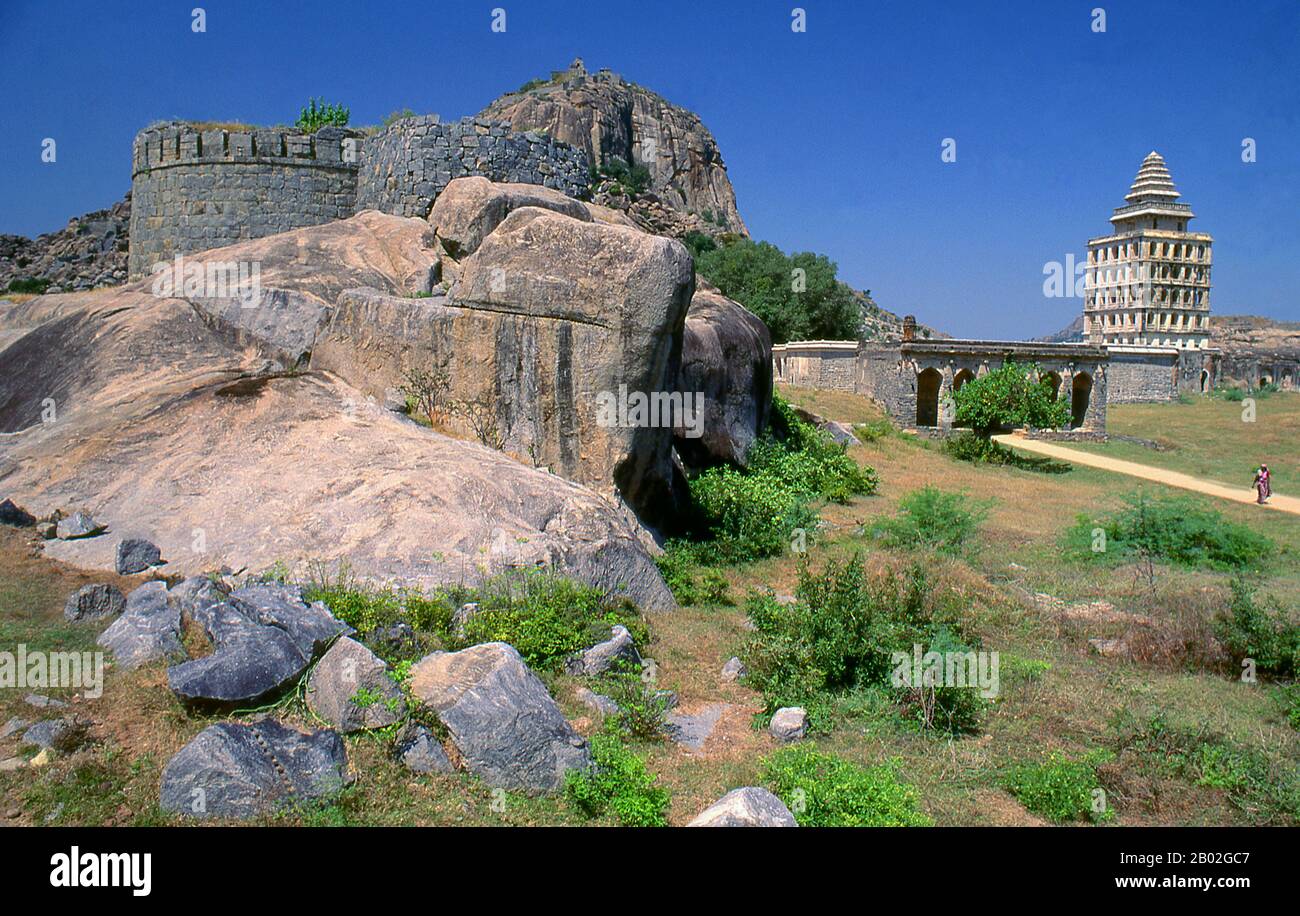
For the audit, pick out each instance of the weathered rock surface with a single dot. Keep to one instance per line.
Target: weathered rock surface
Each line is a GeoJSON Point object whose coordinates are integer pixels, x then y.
{"type": "Point", "coordinates": [596, 702]}
{"type": "Point", "coordinates": [503, 721]}
{"type": "Point", "coordinates": [135, 555]}
{"type": "Point", "coordinates": [747, 807]}
{"type": "Point", "coordinates": [727, 358]}
{"type": "Point", "coordinates": [733, 670]}
{"type": "Point", "coordinates": [789, 723]}
{"type": "Point", "coordinates": [351, 690]}
{"type": "Point", "coordinates": [693, 730]}
{"type": "Point", "coordinates": [149, 628]}
{"type": "Point", "coordinates": [264, 637]}
{"type": "Point", "coordinates": [619, 649]}
{"type": "Point", "coordinates": [608, 117]}
{"type": "Point", "coordinates": [94, 602]}
{"type": "Point", "coordinates": [63, 735]}
{"type": "Point", "coordinates": [77, 525]}
{"type": "Point", "coordinates": [419, 750]}
{"type": "Point", "coordinates": [241, 770]}
{"type": "Point", "coordinates": [468, 209]}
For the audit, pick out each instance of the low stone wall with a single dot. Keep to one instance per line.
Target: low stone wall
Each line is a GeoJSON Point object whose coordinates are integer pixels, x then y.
{"type": "Point", "coordinates": [1141, 375]}
{"type": "Point", "coordinates": [409, 163]}
{"type": "Point", "coordinates": [194, 189]}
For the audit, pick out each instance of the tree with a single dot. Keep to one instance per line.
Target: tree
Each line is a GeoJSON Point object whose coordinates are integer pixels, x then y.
{"type": "Point", "coordinates": [1009, 396]}
{"type": "Point", "coordinates": [797, 296]}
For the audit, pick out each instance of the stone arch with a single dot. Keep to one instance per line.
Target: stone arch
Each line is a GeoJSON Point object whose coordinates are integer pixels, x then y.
{"type": "Point", "coordinates": [1205, 380]}
{"type": "Point", "coordinates": [928, 383]}
{"type": "Point", "coordinates": [961, 378]}
{"type": "Point", "coordinates": [1052, 381]}
{"type": "Point", "coordinates": [1080, 398]}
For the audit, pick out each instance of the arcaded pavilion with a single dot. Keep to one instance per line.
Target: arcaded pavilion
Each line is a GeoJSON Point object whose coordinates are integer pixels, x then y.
{"type": "Point", "coordinates": [1148, 282]}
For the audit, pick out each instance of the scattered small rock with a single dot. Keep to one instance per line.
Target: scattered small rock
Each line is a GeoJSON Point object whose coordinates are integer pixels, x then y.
{"type": "Point", "coordinates": [598, 659]}
{"type": "Point", "coordinates": [12, 514]}
{"type": "Point", "coordinates": [351, 690]}
{"type": "Point", "coordinates": [13, 727]}
{"type": "Point", "coordinates": [691, 731]}
{"type": "Point", "coordinates": [64, 735]}
{"type": "Point", "coordinates": [789, 724]}
{"type": "Point", "coordinates": [94, 602]}
{"type": "Point", "coordinates": [9, 764]}
{"type": "Point", "coordinates": [43, 702]}
{"type": "Point", "coordinates": [747, 807]}
{"type": "Point", "coordinates": [597, 702]}
{"type": "Point", "coordinates": [420, 750]}
{"type": "Point", "coordinates": [136, 555]}
{"type": "Point", "coordinates": [77, 525]}
{"type": "Point", "coordinates": [733, 670]}
{"type": "Point", "coordinates": [149, 628]}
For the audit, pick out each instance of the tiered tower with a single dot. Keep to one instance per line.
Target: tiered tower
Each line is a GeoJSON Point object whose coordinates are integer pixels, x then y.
{"type": "Point", "coordinates": [1148, 282]}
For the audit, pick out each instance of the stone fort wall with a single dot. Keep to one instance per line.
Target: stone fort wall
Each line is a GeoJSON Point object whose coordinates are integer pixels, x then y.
{"type": "Point", "coordinates": [193, 189]}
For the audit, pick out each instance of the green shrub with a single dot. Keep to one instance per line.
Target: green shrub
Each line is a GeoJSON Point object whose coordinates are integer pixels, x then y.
{"type": "Point", "coordinates": [643, 709]}
{"type": "Point", "coordinates": [930, 517]}
{"type": "Point", "coordinates": [1174, 528]}
{"type": "Point", "coordinates": [1060, 788]}
{"type": "Point", "coordinates": [1230, 394]}
{"type": "Point", "coordinates": [1009, 397]}
{"type": "Point", "coordinates": [36, 285]}
{"type": "Point", "coordinates": [619, 785]}
{"type": "Point", "coordinates": [635, 178]}
{"type": "Point", "coordinates": [968, 446]}
{"type": "Point", "coordinates": [361, 606]}
{"type": "Point", "coordinates": [1288, 698]}
{"type": "Point", "coordinates": [748, 516]}
{"type": "Point", "coordinates": [1266, 634]}
{"type": "Point", "coordinates": [823, 790]}
{"type": "Point", "coordinates": [318, 114]}
{"type": "Point", "coordinates": [839, 636]}
{"type": "Point", "coordinates": [806, 459]}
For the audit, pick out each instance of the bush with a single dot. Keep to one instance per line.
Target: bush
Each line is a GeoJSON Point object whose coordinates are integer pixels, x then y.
{"type": "Point", "coordinates": [634, 178]}
{"type": "Point", "coordinates": [619, 785]}
{"type": "Point", "coordinates": [1174, 528]}
{"type": "Point", "coordinates": [1266, 635]}
{"type": "Point", "coordinates": [762, 278]}
{"type": "Point", "coordinates": [643, 709]}
{"type": "Point", "coordinates": [36, 285]}
{"type": "Point", "coordinates": [823, 790]}
{"type": "Point", "coordinates": [318, 114]}
{"type": "Point", "coordinates": [1009, 397]}
{"type": "Point", "coordinates": [968, 446]}
{"type": "Point", "coordinates": [930, 517]}
{"type": "Point", "coordinates": [1060, 788]}
{"type": "Point", "coordinates": [839, 636]}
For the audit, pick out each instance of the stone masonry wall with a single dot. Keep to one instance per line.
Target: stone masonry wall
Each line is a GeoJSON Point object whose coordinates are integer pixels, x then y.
{"type": "Point", "coordinates": [194, 189]}
{"type": "Point", "coordinates": [407, 165]}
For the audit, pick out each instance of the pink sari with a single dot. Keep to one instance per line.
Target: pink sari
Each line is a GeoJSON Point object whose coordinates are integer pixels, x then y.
{"type": "Point", "coordinates": [1262, 486]}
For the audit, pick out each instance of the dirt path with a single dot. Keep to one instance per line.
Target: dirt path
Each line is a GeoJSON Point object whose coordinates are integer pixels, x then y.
{"type": "Point", "coordinates": [1147, 472]}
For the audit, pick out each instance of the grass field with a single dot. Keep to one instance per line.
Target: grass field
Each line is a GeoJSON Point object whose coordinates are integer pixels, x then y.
{"type": "Point", "coordinates": [1058, 693]}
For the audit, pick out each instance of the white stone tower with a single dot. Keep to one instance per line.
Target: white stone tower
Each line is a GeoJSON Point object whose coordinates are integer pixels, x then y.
{"type": "Point", "coordinates": [1148, 282]}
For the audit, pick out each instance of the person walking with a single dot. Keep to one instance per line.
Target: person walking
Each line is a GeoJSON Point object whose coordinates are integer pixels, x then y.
{"type": "Point", "coordinates": [1263, 484]}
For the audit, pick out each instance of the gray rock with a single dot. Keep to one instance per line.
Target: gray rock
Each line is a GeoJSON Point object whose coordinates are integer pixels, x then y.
{"type": "Point", "coordinates": [15, 515]}
{"type": "Point", "coordinates": [747, 807]}
{"type": "Point", "coordinates": [13, 727]}
{"type": "Point", "coordinates": [841, 433]}
{"type": "Point", "coordinates": [264, 638]}
{"type": "Point", "coordinates": [94, 602]}
{"type": "Point", "coordinates": [43, 702]}
{"type": "Point", "coordinates": [597, 702]}
{"type": "Point", "coordinates": [505, 724]}
{"type": "Point", "coordinates": [420, 751]}
{"type": "Point", "coordinates": [149, 628]}
{"type": "Point", "coordinates": [619, 649]}
{"type": "Point", "coordinates": [789, 724]}
{"type": "Point", "coordinates": [77, 525]}
{"type": "Point", "coordinates": [733, 670]}
{"type": "Point", "coordinates": [241, 770]}
{"type": "Point", "coordinates": [692, 731]}
{"type": "Point", "coordinates": [136, 555]}
{"type": "Point", "coordinates": [64, 735]}
{"type": "Point", "coordinates": [345, 671]}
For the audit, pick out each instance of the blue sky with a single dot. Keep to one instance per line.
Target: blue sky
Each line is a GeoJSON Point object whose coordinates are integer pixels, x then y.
{"type": "Point", "coordinates": [832, 137]}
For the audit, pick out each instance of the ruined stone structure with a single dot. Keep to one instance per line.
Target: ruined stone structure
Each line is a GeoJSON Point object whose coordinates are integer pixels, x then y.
{"type": "Point", "coordinates": [405, 167]}
{"type": "Point", "coordinates": [193, 188]}
{"type": "Point", "coordinates": [913, 380]}
{"type": "Point", "coordinates": [1148, 282]}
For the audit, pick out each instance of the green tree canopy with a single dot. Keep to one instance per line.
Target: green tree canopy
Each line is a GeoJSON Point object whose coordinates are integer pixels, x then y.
{"type": "Point", "coordinates": [797, 296]}
{"type": "Point", "coordinates": [1011, 395]}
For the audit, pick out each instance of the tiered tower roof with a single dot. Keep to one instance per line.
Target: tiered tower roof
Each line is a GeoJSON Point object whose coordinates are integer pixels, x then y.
{"type": "Point", "coordinates": [1152, 192]}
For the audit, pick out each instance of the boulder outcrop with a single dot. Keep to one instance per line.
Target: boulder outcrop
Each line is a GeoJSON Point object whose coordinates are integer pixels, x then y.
{"type": "Point", "coordinates": [747, 807]}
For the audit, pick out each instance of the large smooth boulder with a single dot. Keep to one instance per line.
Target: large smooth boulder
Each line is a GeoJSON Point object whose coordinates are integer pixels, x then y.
{"type": "Point", "coordinates": [149, 628]}
{"type": "Point", "coordinates": [351, 690]}
{"type": "Point", "coordinates": [468, 209]}
{"type": "Point", "coordinates": [239, 770]}
{"type": "Point", "coordinates": [503, 721]}
{"type": "Point", "coordinates": [726, 359]}
{"type": "Point", "coordinates": [264, 638]}
{"type": "Point", "coordinates": [748, 807]}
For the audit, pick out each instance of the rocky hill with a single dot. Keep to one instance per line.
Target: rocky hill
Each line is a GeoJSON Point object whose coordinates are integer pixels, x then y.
{"type": "Point", "coordinates": [614, 119]}
{"type": "Point", "coordinates": [1235, 335]}
{"type": "Point", "coordinates": [90, 251]}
